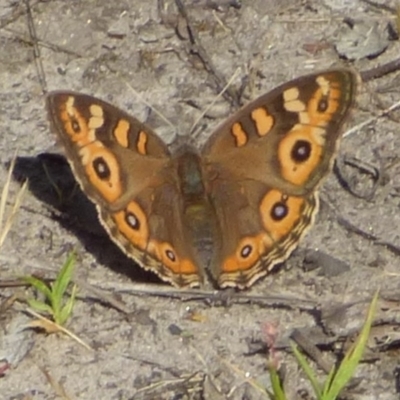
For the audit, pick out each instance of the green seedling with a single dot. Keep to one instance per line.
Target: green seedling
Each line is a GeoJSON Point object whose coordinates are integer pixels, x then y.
{"type": "Point", "coordinates": [339, 376]}
{"type": "Point", "coordinates": [56, 303]}
{"type": "Point", "coordinates": [277, 389]}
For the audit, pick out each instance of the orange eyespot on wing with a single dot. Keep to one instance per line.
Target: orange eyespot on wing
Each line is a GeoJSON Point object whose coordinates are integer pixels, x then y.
{"type": "Point", "coordinates": [170, 259]}
{"type": "Point", "coordinates": [326, 101]}
{"type": "Point", "coordinates": [247, 253]}
{"type": "Point", "coordinates": [102, 170]}
{"type": "Point", "coordinates": [280, 213]}
{"type": "Point", "coordinates": [131, 222]}
{"type": "Point", "coordinates": [300, 153]}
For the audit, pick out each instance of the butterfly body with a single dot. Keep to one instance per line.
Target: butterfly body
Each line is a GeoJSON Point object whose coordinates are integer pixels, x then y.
{"type": "Point", "coordinates": [235, 208]}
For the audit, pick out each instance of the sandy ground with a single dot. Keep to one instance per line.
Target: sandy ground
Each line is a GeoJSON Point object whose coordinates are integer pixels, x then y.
{"type": "Point", "coordinates": [192, 344]}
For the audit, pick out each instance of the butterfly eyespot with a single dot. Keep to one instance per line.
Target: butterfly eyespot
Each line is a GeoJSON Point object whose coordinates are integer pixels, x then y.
{"type": "Point", "coordinates": [246, 251]}
{"type": "Point", "coordinates": [101, 168]}
{"type": "Point", "coordinates": [322, 105]}
{"type": "Point", "coordinates": [75, 125]}
{"type": "Point", "coordinates": [301, 151]}
{"type": "Point", "coordinates": [171, 255]}
{"type": "Point", "coordinates": [132, 220]}
{"type": "Point", "coordinates": [279, 211]}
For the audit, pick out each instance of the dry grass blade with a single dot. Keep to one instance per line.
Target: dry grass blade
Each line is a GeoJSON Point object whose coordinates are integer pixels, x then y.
{"type": "Point", "coordinates": [365, 123]}
{"type": "Point", "coordinates": [398, 18]}
{"type": "Point", "coordinates": [141, 98]}
{"type": "Point", "coordinates": [51, 327]}
{"type": "Point", "coordinates": [57, 386]}
{"type": "Point", "coordinates": [6, 222]}
{"type": "Point", "coordinates": [246, 379]}
{"type": "Point", "coordinates": [220, 94]}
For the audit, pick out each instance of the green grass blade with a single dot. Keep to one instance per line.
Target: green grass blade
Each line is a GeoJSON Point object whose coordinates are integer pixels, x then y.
{"type": "Point", "coordinates": [278, 393]}
{"type": "Point", "coordinates": [307, 370]}
{"type": "Point", "coordinates": [67, 309]}
{"type": "Point", "coordinates": [347, 367]}
{"type": "Point", "coordinates": [39, 306]}
{"type": "Point", "coordinates": [329, 380]}
{"type": "Point", "coordinates": [39, 285]}
{"type": "Point", "coordinates": [63, 279]}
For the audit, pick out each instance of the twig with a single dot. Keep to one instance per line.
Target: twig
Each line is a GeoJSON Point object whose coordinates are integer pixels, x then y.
{"type": "Point", "coordinates": [350, 227]}
{"type": "Point", "coordinates": [147, 289]}
{"type": "Point", "coordinates": [380, 6]}
{"type": "Point", "coordinates": [14, 15]}
{"type": "Point", "coordinates": [103, 296]}
{"type": "Point", "coordinates": [311, 350]}
{"type": "Point", "coordinates": [380, 71]}
{"type": "Point", "coordinates": [36, 50]}
{"type": "Point", "coordinates": [372, 119]}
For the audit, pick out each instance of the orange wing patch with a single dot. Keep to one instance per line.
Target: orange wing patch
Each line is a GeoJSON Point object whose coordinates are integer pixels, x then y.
{"type": "Point", "coordinates": [141, 144]}
{"type": "Point", "coordinates": [264, 121]}
{"type": "Point", "coordinates": [239, 134]}
{"type": "Point", "coordinates": [292, 102]}
{"type": "Point", "coordinates": [97, 119]}
{"type": "Point", "coordinates": [121, 133]}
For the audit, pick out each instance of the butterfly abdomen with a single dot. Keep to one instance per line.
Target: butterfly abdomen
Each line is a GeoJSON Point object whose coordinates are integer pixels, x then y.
{"type": "Point", "coordinates": [198, 213]}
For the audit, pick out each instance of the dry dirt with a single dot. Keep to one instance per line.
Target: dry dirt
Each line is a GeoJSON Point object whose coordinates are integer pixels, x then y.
{"type": "Point", "coordinates": [192, 345]}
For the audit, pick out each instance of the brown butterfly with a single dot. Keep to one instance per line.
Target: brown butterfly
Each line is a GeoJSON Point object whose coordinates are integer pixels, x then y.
{"type": "Point", "coordinates": [237, 207]}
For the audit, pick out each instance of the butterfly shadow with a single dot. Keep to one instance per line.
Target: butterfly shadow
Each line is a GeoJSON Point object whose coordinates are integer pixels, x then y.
{"type": "Point", "coordinates": [51, 181]}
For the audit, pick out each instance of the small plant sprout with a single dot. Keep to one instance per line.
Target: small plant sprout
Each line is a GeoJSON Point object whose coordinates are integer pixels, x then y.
{"type": "Point", "coordinates": [56, 305]}
{"type": "Point", "coordinates": [340, 375]}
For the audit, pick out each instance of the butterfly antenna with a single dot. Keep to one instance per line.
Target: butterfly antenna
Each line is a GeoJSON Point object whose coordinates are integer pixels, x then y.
{"type": "Point", "coordinates": [234, 76]}
{"type": "Point", "coordinates": [140, 97]}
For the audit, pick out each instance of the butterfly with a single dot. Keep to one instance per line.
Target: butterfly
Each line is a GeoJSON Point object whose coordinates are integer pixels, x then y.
{"type": "Point", "coordinates": [230, 211]}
